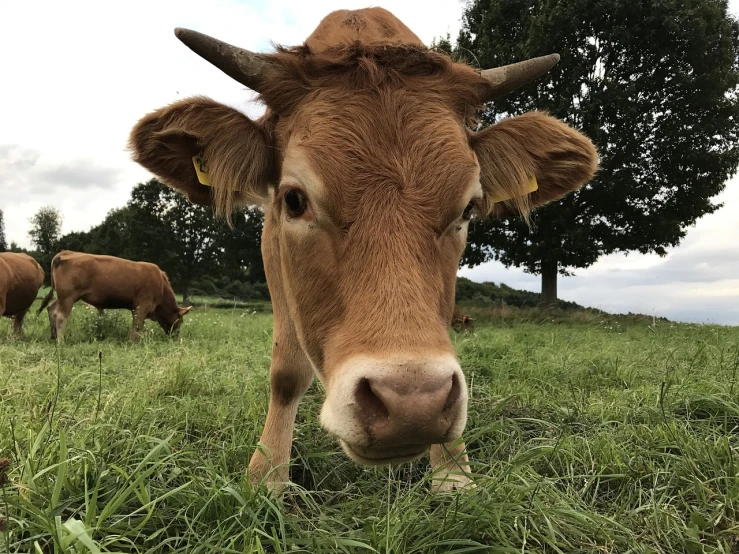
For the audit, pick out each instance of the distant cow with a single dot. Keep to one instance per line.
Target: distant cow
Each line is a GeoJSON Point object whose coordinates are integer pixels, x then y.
{"type": "Point", "coordinates": [110, 283]}
{"type": "Point", "coordinates": [20, 278]}
{"type": "Point", "coordinates": [461, 322]}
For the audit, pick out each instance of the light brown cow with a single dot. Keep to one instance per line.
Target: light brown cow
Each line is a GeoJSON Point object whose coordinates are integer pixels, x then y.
{"type": "Point", "coordinates": [110, 283]}
{"type": "Point", "coordinates": [368, 174]}
{"type": "Point", "coordinates": [20, 278]}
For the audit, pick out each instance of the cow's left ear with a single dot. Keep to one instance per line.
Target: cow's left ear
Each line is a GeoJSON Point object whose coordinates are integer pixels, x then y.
{"type": "Point", "coordinates": [531, 160]}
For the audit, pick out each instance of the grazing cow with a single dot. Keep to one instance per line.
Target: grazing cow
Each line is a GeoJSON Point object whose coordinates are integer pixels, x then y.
{"type": "Point", "coordinates": [20, 278]}
{"type": "Point", "coordinates": [368, 173]}
{"type": "Point", "coordinates": [461, 322]}
{"type": "Point", "coordinates": [110, 283]}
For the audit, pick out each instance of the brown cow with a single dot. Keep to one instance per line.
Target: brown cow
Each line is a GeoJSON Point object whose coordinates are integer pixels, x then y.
{"type": "Point", "coordinates": [461, 322]}
{"type": "Point", "coordinates": [20, 278]}
{"type": "Point", "coordinates": [110, 283]}
{"type": "Point", "coordinates": [368, 174]}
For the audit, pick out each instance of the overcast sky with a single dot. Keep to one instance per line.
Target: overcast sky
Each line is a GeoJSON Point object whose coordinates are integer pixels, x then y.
{"type": "Point", "coordinates": [78, 75]}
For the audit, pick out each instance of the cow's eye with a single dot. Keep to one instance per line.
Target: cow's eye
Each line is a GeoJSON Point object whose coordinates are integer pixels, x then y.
{"type": "Point", "coordinates": [467, 213]}
{"type": "Point", "coordinates": [295, 203]}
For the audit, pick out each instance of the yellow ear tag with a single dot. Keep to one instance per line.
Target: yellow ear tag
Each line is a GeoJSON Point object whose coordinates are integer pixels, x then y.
{"type": "Point", "coordinates": [201, 170]}
{"type": "Point", "coordinates": [531, 186]}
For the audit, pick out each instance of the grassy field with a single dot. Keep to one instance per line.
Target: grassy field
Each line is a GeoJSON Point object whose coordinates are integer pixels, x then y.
{"type": "Point", "coordinates": [587, 434]}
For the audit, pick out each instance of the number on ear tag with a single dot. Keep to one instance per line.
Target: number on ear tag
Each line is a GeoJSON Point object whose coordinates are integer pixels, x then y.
{"type": "Point", "coordinates": [201, 170]}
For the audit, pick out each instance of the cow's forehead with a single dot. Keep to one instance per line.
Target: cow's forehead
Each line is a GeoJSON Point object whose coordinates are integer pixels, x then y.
{"type": "Point", "coordinates": [353, 145]}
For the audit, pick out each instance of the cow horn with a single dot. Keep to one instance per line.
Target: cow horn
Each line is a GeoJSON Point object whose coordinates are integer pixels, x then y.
{"type": "Point", "coordinates": [507, 78]}
{"type": "Point", "coordinates": [246, 67]}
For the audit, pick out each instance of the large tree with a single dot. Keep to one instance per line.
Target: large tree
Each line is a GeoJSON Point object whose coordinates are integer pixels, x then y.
{"type": "Point", "coordinates": [3, 241]}
{"type": "Point", "coordinates": [653, 83]}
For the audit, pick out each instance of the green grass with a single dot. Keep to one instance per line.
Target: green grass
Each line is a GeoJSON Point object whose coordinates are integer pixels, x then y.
{"type": "Point", "coordinates": [586, 435]}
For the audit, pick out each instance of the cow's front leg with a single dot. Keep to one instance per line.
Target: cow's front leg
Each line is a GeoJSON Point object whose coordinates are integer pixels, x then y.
{"type": "Point", "coordinates": [137, 322]}
{"type": "Point", "coordinates": [450, 467]}
{"type": "Point", "coordinates": [290, 377]}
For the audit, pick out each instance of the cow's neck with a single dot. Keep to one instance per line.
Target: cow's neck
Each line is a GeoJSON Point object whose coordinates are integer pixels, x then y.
{"type": "Point", "coordinates": [169, 301]}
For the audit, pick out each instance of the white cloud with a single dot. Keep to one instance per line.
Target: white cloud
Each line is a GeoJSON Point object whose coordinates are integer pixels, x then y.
{"type": "Point", "coordinates": [79, 74]}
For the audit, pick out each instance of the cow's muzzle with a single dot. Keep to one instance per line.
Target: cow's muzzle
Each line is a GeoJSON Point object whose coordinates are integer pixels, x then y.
{"type": "Point", "coordinates": [387, 412]}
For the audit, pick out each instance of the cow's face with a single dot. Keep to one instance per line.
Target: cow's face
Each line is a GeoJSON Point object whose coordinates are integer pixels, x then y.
{"type": "Point", "coordinates": [368, 192]}
{"type": "Point", "coordinates": [371, 209]}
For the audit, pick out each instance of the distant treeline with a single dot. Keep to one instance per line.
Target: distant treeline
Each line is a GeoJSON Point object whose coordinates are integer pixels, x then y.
{"type": "Point", "coordinates": [200, 253]}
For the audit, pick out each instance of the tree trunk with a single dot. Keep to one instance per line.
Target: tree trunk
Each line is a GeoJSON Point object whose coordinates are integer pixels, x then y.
{"type": "Point", "coordinates": [549, 284]}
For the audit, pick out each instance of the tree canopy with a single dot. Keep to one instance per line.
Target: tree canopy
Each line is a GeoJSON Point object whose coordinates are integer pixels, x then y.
{"type": "Point", "coordinates": [46, 230]}
{"type": "Point", "coordinates": [653, 83]}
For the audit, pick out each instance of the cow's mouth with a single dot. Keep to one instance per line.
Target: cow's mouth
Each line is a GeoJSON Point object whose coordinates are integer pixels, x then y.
{"type": "Point", "coordinates": [383, 456]}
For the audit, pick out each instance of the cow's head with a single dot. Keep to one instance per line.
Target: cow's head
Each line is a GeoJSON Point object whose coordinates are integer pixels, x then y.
{"type": "Point", "coordinates": [368, 175]}
{"type": "Point", "coordinates": [168, 314]}
{"type": "Point", "coordinates": [170, 319]}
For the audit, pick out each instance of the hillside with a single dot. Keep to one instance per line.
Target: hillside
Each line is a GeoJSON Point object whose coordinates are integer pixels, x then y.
{"type": "Point", "coordinates": [490, 294]}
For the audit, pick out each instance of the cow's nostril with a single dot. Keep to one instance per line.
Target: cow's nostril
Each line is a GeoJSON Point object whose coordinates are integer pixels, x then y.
{"type": "Point", "coordinates": [372, 407]}
{"type": "Point", "coordinates": [454, 393]}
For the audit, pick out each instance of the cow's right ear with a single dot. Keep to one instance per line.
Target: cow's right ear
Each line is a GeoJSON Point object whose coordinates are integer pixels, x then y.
{"type": "Point", "coordinates": [231, 151]}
